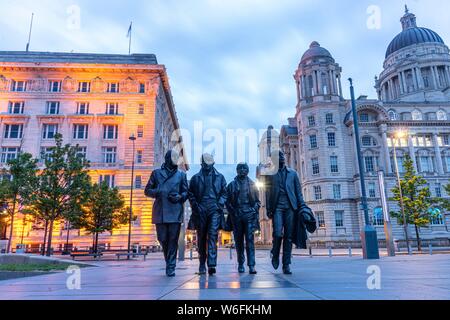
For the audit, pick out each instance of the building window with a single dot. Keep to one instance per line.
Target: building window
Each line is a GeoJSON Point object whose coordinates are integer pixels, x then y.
{"type": "Point", "coordinates": [110, 180]}
{"type": "Point", "coordinates": [139, 156]}
{"type": "Point", "coordinates": [313, 141]}
{"type": "Point", "coordinates": [53, 107]}
{"type": "Point", "coordinates": [369, 164]}
{"type": "Point", "coordinates": [140, 131]}
{"type": "Point", "coordinates": [138, 182]}
{"type": "Point", "coordinates": [400, 161]}
{"type": "Point", "coordinates": [339, 218]}
{"type": "Point", "coordinates": [337, 195]}
{"type": "Point", "coordinates": [368, 141]}
{"type": "Point", "coordinates": [112, 108]}
{"type": "Point", "coordinates": [311, 121]}
{"type": "Point", "coordinates": [441, 115]}
{"type": "Point", "coordinates": [83, 108]}
{"type": "Point", "coordinates": [84, 86]}
{"type": "Point", "coordinates": [444, 140]}
{"type": "Point", "coordinates": [321, 219]}
{"type": "Point", "coordinates": [54, 86]}
{"type": "Point", "coordinates": [329, 118]}
{"type": "Point", "coordinates": [331, 139]}
{"type": "Point", "coordinates": [393, 115]}
{"type": "Point", "coordinates": [110, 132]}
{"type": "Point", "coordinates": [109, 154]}
{"type": "Point", "coordinates": [334, 165]}
{"type": "Point", "coordinates": [141, 87]}
{"type": "Point", "coordinates": [372, 190]}
{"type": "Point", "coordinates": [80, 131]}
{"type": "Point", "coordinates": [417, 115]}
{"type": "Point", "coordinates": [438, 190]}
{"type": "Point", "coordinates": [113, 87]}
{"type": "Point", "coordinates": [50, 130]}
{"type": "Point", "coordinates": [82, 152]}
{"type": "Point", "coordinates": [13, 131]}
{"type": "Point", "coordinates": [425, 164]}
{"type": "Point", "coordinates": [378, 217]}
{"type": "Point", "coordinates": [141, 109]}
{"type": "Point", "coordinates": [18, 86]}
{"type": "Point", "coordinates": [315, 166]}
{"type": "Point", "coordinates": [46, 153]}
{"type": "Point", "coordinates": [317, 193]}
{"type": "Point", "coordinates": [16, 107]}
{"type": "Point", "coordinates": [364, 117]}
{"type": "Point", "coordinates": [9, 154]}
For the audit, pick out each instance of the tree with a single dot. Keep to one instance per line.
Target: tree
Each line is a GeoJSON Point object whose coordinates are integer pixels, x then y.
{"type": "Point", "coordinates": [104, 212]}
{"type": "Point", "coordinates": [416, 200]}
{"type": "Point", "coordinates": [64, 185]}
{"type": "Point", "coordinates": [18, 184]}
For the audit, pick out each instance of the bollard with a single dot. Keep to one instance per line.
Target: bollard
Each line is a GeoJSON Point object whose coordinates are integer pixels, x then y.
{"type": "Point", "coordinates": [310, 252]}
{"type": "Point", "coordinates": [190, 254]}
{"type": "Point", "coordinates": [431, 249]}
{"type": "Point", "coordinates": [409, 250]}
{"type": "Point", "coordinates": [330, 252]}
{"type": "Point", "coordinates": [350, 254]}
{"type": "Point", "coordinates": [231, 253]}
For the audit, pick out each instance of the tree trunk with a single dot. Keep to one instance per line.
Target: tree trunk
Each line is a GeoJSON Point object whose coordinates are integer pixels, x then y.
{"type": "Point", "coordinates": [419, 242]}
{"type": "Point", "coordinates": [49, 244]}
{"type": "Point", "coordinates": [45, 237]}
{"type": "Point", "coordinates": [8, 249]}
{"type": "Point", "coordinates": [96, 243]}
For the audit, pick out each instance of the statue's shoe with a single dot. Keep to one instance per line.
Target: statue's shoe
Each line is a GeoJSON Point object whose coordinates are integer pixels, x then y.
{"type": "Point", "coordinates": [252, 270]}
{"type": "Point", "coordinates": [202, 270]}
{"type": "Point", "coordinates": [212, 271]}
{"type": "Point", "coordinates": [241, 269]}
{"type": "Point", "coordinates": [170, 272]}
{"type": "Point", "coordinates": [287, 270]}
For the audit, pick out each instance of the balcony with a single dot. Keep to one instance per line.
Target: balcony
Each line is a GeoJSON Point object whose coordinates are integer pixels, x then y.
{"type": "Point", "coordinates": [107, 166]}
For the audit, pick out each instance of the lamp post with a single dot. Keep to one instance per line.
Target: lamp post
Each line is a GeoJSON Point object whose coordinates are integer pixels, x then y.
{"type": "Point", "coordinates": [398, 136]}
{"type": "Point", "coordinates": [369, 234]}
{"type": "Point", "coordinates": [132, 139]}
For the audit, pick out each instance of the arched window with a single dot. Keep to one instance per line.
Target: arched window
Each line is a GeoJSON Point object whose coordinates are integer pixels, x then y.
{"type": "Point", "coordinates": [393, 115]}
{"type": "Point", "coordinates": [417, 115]}
{"type": "Point", "coordinates": [441, 115]}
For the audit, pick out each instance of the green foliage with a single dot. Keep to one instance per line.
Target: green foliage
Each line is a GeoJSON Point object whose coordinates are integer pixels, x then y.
{"type": "Point", "coordinates": [445, 203]}
{"type": "Point", "coordinates": [416, 198]}
{"type": "Point", "coordinates": [35, 267]}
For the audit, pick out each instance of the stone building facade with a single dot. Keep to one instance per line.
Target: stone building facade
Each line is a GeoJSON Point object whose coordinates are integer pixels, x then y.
{"type": "Point", "coordinates": [96, 101]}
{"type": "Point", "coordinates": [413, 96]}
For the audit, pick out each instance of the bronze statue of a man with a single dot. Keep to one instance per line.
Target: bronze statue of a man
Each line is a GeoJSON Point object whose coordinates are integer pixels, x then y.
{"type": "Point", "coordinates": [207, 196]}
{"type": "Point", "coordinates": [169, 187]}
{"type": "Point", "coordinates": [243, 208]}
{"type": "Point", "coordinates": [290, 215]}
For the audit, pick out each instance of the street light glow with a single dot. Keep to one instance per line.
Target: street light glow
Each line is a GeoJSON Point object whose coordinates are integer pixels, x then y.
{"type": "Point", "coordinates": [401, 134]}
{"type": "Point", "coordinates": [259, 184]}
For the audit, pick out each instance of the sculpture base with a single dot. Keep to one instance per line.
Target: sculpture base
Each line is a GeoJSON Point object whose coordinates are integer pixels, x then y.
{"type": "Point", "coordinates": [369, 242]}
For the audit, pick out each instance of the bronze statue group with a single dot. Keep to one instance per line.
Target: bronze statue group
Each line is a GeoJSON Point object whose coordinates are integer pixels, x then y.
{"type": "Point", "coordinates": [209, 194]}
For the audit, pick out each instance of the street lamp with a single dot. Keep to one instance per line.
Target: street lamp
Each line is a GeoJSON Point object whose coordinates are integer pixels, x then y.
{"type": "Point", "coordinates": [398, 136]}
{"type": "Point", "coordinates": [133, 139]}
{"type": "Point", "coordinates": [369, 234]}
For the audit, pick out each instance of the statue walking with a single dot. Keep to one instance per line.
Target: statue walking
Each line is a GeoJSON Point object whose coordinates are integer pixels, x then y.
{"type": "Point", "coordinates": [207, 195]}
{"type": "Point", "coordinates": [290, 215]}
{"type": "Point", "coordinates": [243, 212]}
{"type": "Point", "coordinates": [169, 187]}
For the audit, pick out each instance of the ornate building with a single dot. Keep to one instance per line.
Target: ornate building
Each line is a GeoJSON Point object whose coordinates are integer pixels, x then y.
{"type": "Point", "coordinates": [414, 96]}
{"type": "Point", "coordinates": [96, 101]}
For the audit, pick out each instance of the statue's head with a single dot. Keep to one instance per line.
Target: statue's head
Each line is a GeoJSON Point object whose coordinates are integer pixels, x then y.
{"type": "Point", "coordinates": [278, 160]}
{"type": "Point", "coordinates": [242, 170]}
{"type": "Point", "coordinates": [171, 159]}
{"type": "Point", "coordinates": [282, 159]}
{"type": "Point", "coordinates": [207, 162]}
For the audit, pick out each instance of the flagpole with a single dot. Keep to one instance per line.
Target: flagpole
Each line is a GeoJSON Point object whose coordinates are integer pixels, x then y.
{"type": "Point", "coordinates": [131, 32]}
{"type": "Point", "coordinates": [29, 34]}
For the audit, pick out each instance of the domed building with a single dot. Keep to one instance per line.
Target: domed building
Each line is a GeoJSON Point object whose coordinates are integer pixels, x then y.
{"type": "Point", "coordinates": [413, 95]}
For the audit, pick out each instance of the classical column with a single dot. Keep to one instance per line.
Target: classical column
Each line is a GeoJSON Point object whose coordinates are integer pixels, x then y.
{"type": "Point", "coordinates": [400, 83]}
{"type": "Point", "coordinates": [419, 78]}
{"type": "Point", "coordinates": [435, 79]}
{"type": "Point", "coordinates": [412, 152]}
{"type": "Point", "coordinates": [391, 89]}
{"type": "Point", "coordinates": [437, 152]}
{"type": "Point", "coordinates": [405, 88]}
{"type": "Point", "coordinates": [319, 82]}
{"type": "Point", "coordinates": [387, 153]}
{"type": "Point", "coordinates": [315, 92]}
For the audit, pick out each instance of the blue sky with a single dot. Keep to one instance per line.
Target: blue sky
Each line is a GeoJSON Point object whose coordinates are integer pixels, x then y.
{"type": "Point", "coordinates": [230, 63]}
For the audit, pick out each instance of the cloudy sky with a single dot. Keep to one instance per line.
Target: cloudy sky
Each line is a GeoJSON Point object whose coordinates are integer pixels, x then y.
{"type": "Point", "coordinates": [230, 62]}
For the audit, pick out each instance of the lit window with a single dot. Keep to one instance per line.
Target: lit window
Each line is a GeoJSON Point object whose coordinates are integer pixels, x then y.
{"type": "Point", "coordinates": [50, 130]}
{"type": "Point", "coordinates": [321, 219]}
{"type": "Point", "coordinates": [13, 131]}
{"type": "Point", "coordinates": [16, 107]}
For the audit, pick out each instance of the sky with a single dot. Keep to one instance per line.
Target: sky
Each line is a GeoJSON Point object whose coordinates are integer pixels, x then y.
{"type": "Point", "coordinates": [230, 63]}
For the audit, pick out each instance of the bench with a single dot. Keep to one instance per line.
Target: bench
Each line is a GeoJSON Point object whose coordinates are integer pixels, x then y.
{"type": "Point", "coordinates": [133, 255]}
{"type": "Point", "coordinates": [95, 255]}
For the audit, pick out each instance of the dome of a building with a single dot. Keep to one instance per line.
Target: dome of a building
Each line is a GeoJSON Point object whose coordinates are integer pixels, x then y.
{"type": "Point", "coordinates": [316, 51]}
{"type": "Point", "coordinates": [412, 35]}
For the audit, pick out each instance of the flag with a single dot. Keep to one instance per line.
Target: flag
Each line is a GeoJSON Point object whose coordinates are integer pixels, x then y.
{"type": "Point", "coordinates": [129, 30]}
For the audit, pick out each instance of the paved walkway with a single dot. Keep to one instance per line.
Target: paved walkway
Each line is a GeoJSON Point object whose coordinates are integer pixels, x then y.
{"type": "Point", "coordinates": [318, 278]}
